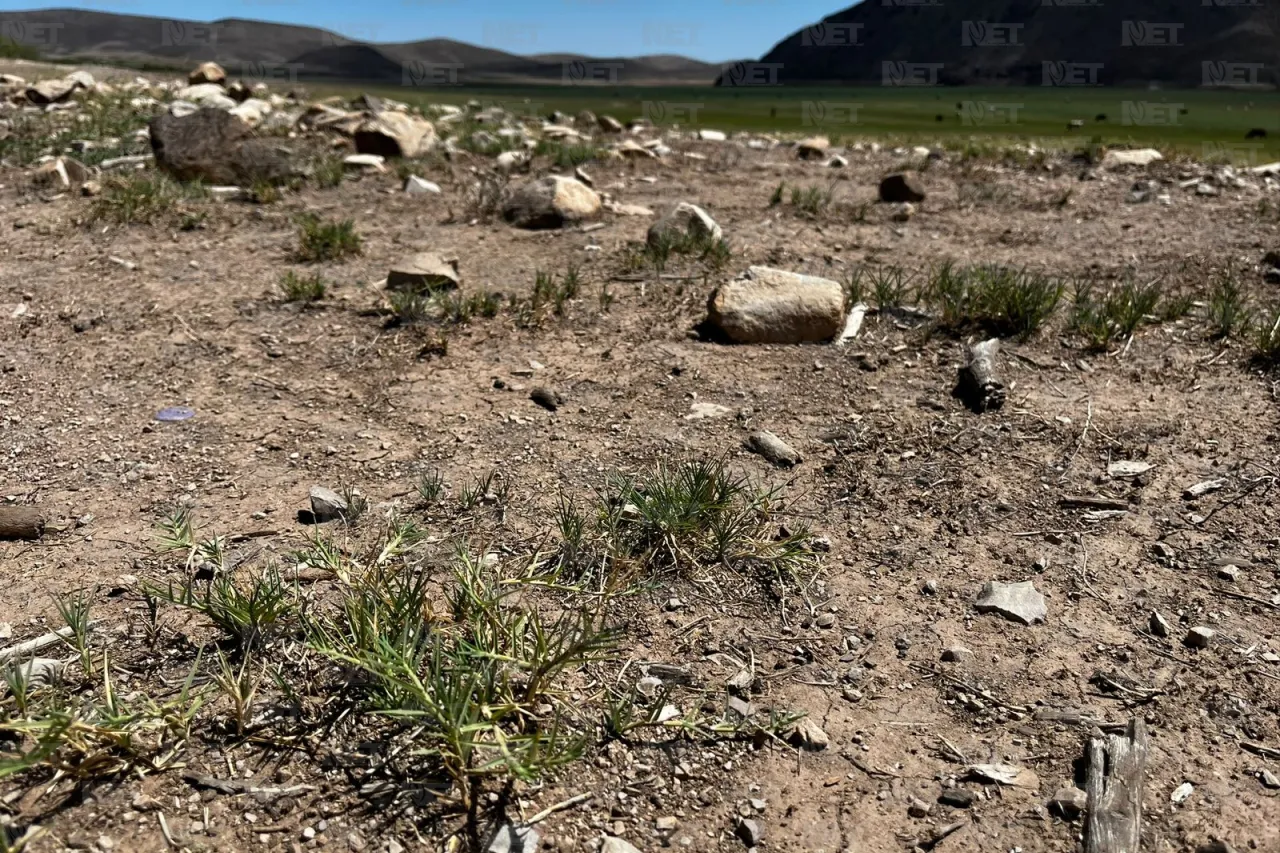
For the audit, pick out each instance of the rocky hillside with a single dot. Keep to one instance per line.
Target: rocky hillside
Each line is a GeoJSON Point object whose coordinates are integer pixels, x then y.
{"type": "Point", "coordinates": [310, 52]}
{"type": "Point", "coordinates": [1028, 42]}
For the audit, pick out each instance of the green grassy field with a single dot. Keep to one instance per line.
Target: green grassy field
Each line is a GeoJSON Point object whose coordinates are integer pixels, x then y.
{"type": "Point", "coordinates": [1210, 124]}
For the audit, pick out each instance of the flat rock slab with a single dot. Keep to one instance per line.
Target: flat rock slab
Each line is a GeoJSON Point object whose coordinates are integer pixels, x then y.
{"type": "Point", "coordinates": [424, 272]}
{"type": "Point", "coordinates": [326, 504]}
{"type": "Point", "coordinates": [770, 306]}
{"type": "Point", "coordinates": [1017, 602]}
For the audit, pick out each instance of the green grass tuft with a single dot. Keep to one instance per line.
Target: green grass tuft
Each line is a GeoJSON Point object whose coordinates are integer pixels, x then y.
{"type": "Point", "coordinates": [326, 240]}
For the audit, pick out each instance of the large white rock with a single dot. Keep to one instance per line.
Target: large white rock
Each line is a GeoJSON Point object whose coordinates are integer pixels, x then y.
{"type": "Point", "coordinates": [1138, 157]}
{"type": "Point", "coordinates": [770, 306]}
{"type": "Point", "coordinates": [251, 111]}
{"type": "Point", "coordinates": [207, 72]}
{"type": "Point", "coordinates": [424, 272]}
{"type": "Point", "coordinates": [205, 95]}
{"type": "Point", "coordinates": [551, 202]}
{"type": "Point", "coordinates": [393, 134]}
{"type": "Point", "coordinates": [51, 91]}
{"type": "Point", "coordinates": [813, 148]}
{"type": "Point", "coordinates": [707, 135]}
{"type": "Point", "coordinates": [685, 220]}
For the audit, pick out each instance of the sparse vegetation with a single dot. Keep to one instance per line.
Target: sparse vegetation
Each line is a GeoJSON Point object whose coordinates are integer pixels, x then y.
{"type": "Point", "coordinates": [567, 155]}
{"type": "Point", "coordinates": [328, 172]}
{"type": "Point", "coordinates": [1228, 309]}
{"type": "Point", "coordinates": [809, 201]}
{"type": "Point", "coordinates": [1115, 316]}
{"type": "Point", "coordinates": [1266, 341]}
{"type": "Point", "coordinates": [326, 240]}
{"type": "Point", "coordinates": [303, 288]}
{"type": "Point", "coordinates": [140, 199]}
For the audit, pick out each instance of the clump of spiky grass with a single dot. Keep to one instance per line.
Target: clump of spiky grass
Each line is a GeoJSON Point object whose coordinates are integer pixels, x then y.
{"type": "Point", "coordinates": [326, 240]}
{"type": "Point", "coordinates": [303, 288]}
{"type": "Point", "coordinates": [140, 199]}
{"type": "Point", "coordinates": [1229, 310]}
{"type": "Point", "coordinates": [684, 520]}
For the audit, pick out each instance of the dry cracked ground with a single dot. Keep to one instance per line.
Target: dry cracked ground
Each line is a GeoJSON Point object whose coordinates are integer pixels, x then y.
{"type": "Point", "coordinates": [870, 629]}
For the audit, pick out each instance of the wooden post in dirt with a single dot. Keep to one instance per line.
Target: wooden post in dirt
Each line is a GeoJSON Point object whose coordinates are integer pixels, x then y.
{"type": "Point", "coordinates": [20, 522]}
{"type": "Point", "coordinates": [1117, 764]}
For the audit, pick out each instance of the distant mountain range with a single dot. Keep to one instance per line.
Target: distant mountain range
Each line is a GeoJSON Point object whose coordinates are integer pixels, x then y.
{"type": "Point", "coordinates": [1182, 43]}
{"type": "Point", "coordinates": [256, 49]}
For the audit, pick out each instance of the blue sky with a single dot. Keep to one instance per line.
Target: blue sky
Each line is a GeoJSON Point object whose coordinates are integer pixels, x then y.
{"type": "Point", "coordinates": [713, 30]}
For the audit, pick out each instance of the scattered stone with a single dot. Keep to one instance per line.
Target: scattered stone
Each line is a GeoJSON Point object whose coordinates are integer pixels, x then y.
{"type": "Point", "coordinates": [1205, 189]}
{"type": "Point", "coordinates": [627, 209]}
{"type": "Point", "coordinates": [1117, 159]}
{"type": "Point", "coordinates": [957, 798]}
{"type": "Point", "coordinates": [581, 174]}
{"type": "Point", "coordinates": [1018, 602]}
{"type": "Point", "coordinates": [837, 162]}
{"type": "Point", "coordinates": [614, 844]}
{"type": "Point", "coordinates": [1125, 469]}
{"type": "Point", "coordinates": [903, 186]}
{"type": "Point", "coordinates": [327, 505]}
{"type": "Point", "coordinates": [39, 672]}
{"type": "Point", "coordinates": [774, 449]}
{"type": "Point", "coordinates": [631, 149]}
{"type": "Point", "coordinates": [215, 147]}
{"type": "Point", "coordinates": [546, 397]}
{"type": "Point", "coordinates": [1199, 490]}
{"type": "Point", "coordinates": [425, 272]}
{"type": "Point", "coordinates": [1268, 779]}
{"type": "Point", "coordinates": [767, 305]}
{"type": "Point", "coordinates": [251, 111]}
{"type": "Point", "coordinates": [1069, 803]}
{"type": "Point", "coordinates": [18, 521]}
{"type": "Point", "coordinates": [1158, 625]}
{"type": "Point", "coordinates": [813, 148]}
{"type": "Point", "coordinates": [667, 823]}
{"type": "Point", "coordinates": [51, 91]}
{"type": "Point", "coordinates": [609, 124]}
{"type": "Point", "coordinates": [1217, 845]}
{"type": "Point", "coordinates": [708, 135]}
{"type": "Point", "coordinates": [368, 162]}
{"type": "Point", "coordinates": [749, 832]}
{"type": "Point", "coordinates": [807, 735]}
{"type": "Point", "coordinates": [414, 185]}
{"type": "Point", "coordinates": [684, 221]}
{"type": "Point", "coordinates": [918, 808]}
{"type": "Point", "coordinates": [208, 95]}
{"type": "Point", "coordinates": [510, 838]}
{"type": "Point", "coordinates": [704, 411]}
{"type": "Point", "coordinates": [1181, 793]}
{"type": "Point", "coordinates": [61, 173]}
{"type": "Point", "coordinates": [1163, 551]}
{"type": "Point", "coordinates": [903, 212]}
{"type": "Point", "coordinates": [551, 202]}
{"type": "Point", "coordinates": [1004, 774]}
{"type": "Point", "coordinates": [1229, 572]}
{"type": "Point", "coordinates": [825, 620]}
{"type": "Point", "coordinates": [509, 161]}
{"type": "Point", "coordinates": [392, 134]}
{"type": "Point", "coordinates": [957, 654]}
{"type": "Point", "coordinates": [207, 72]}
{"type": "Point", "coordinates": [1199, 637]}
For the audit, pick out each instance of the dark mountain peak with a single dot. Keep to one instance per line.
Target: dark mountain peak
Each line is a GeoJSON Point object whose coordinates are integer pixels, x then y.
{"type": "Point", "coordinates": [1027, 42]}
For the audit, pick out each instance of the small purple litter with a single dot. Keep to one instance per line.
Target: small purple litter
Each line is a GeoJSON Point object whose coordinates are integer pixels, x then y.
{"type": "Point", "coordinates": [175, 413]}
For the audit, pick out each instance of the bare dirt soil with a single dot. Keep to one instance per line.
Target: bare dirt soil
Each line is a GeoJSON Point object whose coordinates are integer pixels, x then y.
{"type": "Point", "coordinates": [922, 501]}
